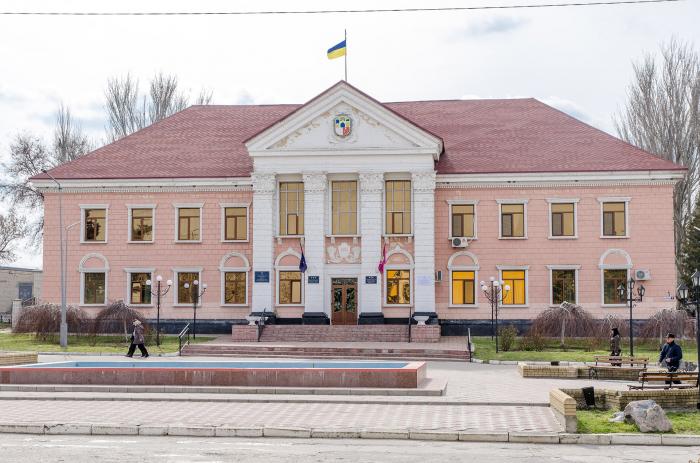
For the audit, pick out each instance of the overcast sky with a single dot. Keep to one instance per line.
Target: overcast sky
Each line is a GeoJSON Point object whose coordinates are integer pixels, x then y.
{"type": "Point", "coordinates": [577, 59]}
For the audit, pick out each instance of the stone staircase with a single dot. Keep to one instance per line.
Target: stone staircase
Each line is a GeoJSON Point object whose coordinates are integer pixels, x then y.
{"type": "Point", "coordinates": [334, 333]}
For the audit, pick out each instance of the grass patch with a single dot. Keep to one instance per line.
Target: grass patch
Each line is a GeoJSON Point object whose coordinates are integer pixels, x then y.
{"type": "Point", "coordinates": [596, 422]}
{"type": "Point", "coordinates": [87, 344]}
{"type": "Point", "coordinates": [4, 326]}
{"type": "Point", "coordinates": [577, 350]}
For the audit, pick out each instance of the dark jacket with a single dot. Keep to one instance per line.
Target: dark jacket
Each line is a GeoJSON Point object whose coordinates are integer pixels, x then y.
{"type": "Point", "coordinates": [615, 344]}
{"type": "Point", "coordinates": [138, 335]}
{"type": "Point", "coordinates": [673, 353]}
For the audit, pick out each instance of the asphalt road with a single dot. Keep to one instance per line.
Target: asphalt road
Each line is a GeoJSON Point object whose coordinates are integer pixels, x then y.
{"type": "Point", "coordinates": [78, 449]}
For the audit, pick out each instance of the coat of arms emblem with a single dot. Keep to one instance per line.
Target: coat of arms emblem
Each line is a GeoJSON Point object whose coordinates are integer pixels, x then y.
{"type": "Point", "coordinates": [342, 125]}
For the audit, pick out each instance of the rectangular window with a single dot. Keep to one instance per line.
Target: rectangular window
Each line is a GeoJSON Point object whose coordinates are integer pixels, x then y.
{"type": "Point", "coordinates": [95, 224]}
{"type": "Point", "coordinates": [398, 286]}
{"type": "Point", "coordinates": [612, 279]}
{"type": "Point", "coordinates": [512, 220]}
{"type": "Point", "coordinates": [184, 295]}
{"type": "Point", "coordinates": [462, 287]}
{"type": "Point", "coordinates": [235, 223]}
{"type": "Point", "coordinates": [515, 279]}
{"type": "Point", "coordinates": [291, 208]}
{"type": "Point", "coordinates": [463, 220]}
{"type": "Point", "coordinates": [142, 224]}
{"type": "Point", "coordinates": [563, 219]}
{"type": "Point", "coordinates": [188, 223]}
{"type": "Point", "coordinates": [614, 219]}
{"type": "Point", "coordinates": [290, 287]}
{"type": "Point", "coordinates": [140, 292]}
{"type": "Point", "coordinates": [94, 288]}
{"type": "Point", "coordinates": [344, 208]}
{"type": "Point", "coordinates": [398, 207]}
{"type": "Point", "coordinates": [234, 288]}
{"type": "Point", "coordinates": [563, 286]}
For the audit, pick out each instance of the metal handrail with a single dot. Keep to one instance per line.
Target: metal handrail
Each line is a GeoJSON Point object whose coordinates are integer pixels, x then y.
{"type": "Point", "coordinates": [261, 323]}
{"type": "Point", "coordinates": [185, 332]}
{"type": "Point", "coordinates": [469, 343]}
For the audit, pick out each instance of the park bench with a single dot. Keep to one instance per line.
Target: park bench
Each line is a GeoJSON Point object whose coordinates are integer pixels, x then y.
{"type": "Point", "coordinates": [666, 378]}
{"type": "Point", "coordinates": [616, 363]}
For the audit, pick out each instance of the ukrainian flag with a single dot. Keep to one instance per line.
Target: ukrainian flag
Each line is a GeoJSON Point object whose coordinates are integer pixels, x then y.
{"type": "Point", "coordinates": [337, 51]}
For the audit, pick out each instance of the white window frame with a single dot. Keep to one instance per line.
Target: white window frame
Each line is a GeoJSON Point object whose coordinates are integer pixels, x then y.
{"type": "Point", "coordinates": [129, 271]}
{"type": "Point", "coordinates": [83, 207]}
{"type": "Point", "coordinates": [83, 270]}
{"type": "Point", "coordinates": [573, 201]}
{"type": "Point", "coordinates": [392, 177]}
{"type": "Point", "coordinates": [526, 268]}
{"type": "Point", "coordinates": [464, 268]}
{"type": "Point", "coordinates": [223, 221]}
{"type": "Point", "coordinates": [223, 269]}
{"type": "Point", "coordinates": [131, 207]}
{"type": "Point", "coordinates": [342, 178]}
{"type": "Point", "coordinates": [501, 202]}
{"type": "Point", "coordinates": [615, 199]}
{"type": "Point", "coordinates": [551, 268]}
{"type": "Point", "coordinates": [177, 207]}
{"type": "Point", "coordinates": [176, 272]}
{"type": "Point", "coordinates": [460, 202]}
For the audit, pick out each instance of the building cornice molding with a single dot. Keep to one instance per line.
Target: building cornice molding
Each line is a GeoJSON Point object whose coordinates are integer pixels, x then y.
{"type": "Point", "coordinates": [152, 185]}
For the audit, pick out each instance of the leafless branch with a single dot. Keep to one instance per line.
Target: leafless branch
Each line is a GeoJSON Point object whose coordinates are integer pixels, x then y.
{"type": "Point", "coordinates": [12, 228]}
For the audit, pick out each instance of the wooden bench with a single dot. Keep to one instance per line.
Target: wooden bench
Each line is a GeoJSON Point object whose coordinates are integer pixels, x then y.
{"type": "Point", "coordinates": [667, 379]}
{"type": "Point", "coordinates": [616, 362]}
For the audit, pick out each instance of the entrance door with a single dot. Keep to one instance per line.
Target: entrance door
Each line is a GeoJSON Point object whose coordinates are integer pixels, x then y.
{"type": "Point", "coordinates": [344, 301]}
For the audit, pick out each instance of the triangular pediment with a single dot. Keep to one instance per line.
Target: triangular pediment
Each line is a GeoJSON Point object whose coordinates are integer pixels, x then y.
{"type": "Point", "coordinates": [344, 120]}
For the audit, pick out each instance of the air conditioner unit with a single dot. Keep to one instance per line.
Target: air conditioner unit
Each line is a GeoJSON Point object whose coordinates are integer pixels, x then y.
{"type": "Point", "coordinates": [642, 274]}
{"type": "Point", "coordinates": [438, 275]}
{"type": "Point", "coordinates": [460, 242]}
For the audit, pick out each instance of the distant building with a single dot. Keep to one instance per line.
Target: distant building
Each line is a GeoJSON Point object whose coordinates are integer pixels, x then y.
{"type": "Point", "coordinates": [18, 283]}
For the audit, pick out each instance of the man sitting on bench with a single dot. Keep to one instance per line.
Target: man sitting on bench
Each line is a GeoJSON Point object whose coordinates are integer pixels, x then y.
{"type": "Point", "coordinates": [671, 356]}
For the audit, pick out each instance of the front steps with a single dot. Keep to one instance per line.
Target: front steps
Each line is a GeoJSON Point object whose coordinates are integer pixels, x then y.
{"type": "Point", "coordinates": [336, 333]}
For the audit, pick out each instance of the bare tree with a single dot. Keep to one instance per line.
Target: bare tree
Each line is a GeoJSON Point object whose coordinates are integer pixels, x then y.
{"type": "Point", "coordinates": [12, 228]}
{"type": "Point", "coordinates": [662, 116]}
{"type": "Point", "coordinates": [128, 110]}
{"type": "Point", "coordinates": [69, 141]}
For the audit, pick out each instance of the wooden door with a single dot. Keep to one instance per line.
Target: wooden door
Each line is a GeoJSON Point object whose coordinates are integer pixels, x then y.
{"type": "Point", "coordinates": [344, 301]}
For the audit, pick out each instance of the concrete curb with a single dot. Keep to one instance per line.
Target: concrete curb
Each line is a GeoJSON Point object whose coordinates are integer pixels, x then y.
{"type": "Point", "coordinates": [230, 430]}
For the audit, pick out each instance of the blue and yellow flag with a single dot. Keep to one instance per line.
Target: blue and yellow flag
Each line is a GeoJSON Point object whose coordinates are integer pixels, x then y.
{"type": "Point", "coordinates": [337, 51]}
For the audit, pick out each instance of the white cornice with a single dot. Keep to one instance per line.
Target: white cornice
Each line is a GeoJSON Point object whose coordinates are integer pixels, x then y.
{"type": "Point", "coordinates": [147, 185]}
{"type": "Point", "coordinates": [556, 179]}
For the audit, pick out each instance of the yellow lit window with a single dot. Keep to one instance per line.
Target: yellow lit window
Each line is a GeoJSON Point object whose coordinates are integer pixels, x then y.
{"type": "Point", "coordinates": [462, 287]}
{"type": "Point", "coordinates": [188, 224]}
{"type": "Point", "coordinates": [398, 207]}
{"type": "Point", "coordinates": [398, 287]}
{"type": "Point", "coordinates": [290, 287]}
{"type": "Point", "coordinates": [95, 224]}
{"type": "Point", "coordinates": [463, 220]}
{"type": "Point", "coordinates": [512, 220]}
{"type": "Point", "coordinates": [291, 208]}
{"type": "Point", "coordinates": [234, 288]}
{"type": "Point", "coordinates": [344, 208]}
{"type": "Point", "coordinates": [516, 280]}
{"type": "Point", "coordinates": [235, 223]}
{"type": "Point", "coordinates": [614, 219]}
{"type": "Point", "coordinates": [141, 224]}
{"type": "Point", "coordinates": [563, 219]}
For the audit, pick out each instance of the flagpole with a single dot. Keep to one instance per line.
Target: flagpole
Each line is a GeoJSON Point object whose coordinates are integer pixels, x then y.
{"type": "Point", "coordinates": [346, 55]}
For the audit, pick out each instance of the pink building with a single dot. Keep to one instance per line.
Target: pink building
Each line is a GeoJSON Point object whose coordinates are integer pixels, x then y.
{"type": "Point", "coordinates": [446, 193]}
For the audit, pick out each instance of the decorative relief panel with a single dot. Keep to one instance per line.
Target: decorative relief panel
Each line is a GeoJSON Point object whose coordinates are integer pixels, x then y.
{"type": "Point", "coordinates": [371, 181]}
{"type": "Point", "coordinates": [315, 181]}
{"type": "Point", "coordinates": [343, 253]}
{"type": "Point", "coordinates": [263, 183]}
{"type": "Point", "coordinates": [423, 181]}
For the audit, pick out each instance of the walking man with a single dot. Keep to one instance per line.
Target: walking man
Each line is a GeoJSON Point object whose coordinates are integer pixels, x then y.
{"type": "Point", "coordinates": [137, 340]}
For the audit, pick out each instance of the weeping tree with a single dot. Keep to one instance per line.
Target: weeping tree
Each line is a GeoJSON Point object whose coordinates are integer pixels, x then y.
{"type": "Point", "coordinates": [45, 320]}
{"type": "Point", "coordinates": [666, 321]}
{"type": "Point", "coordinates": [115, 318]}
{"type": "Point", "coordinates": [565, 319]}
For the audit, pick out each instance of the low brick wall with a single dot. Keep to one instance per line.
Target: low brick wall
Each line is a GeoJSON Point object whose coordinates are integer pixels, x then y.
{"type": "Point", "coordinates": [547, 371]}
{"type": "Point", "coordinates": [244, 333]}
{"type": "Point", "coordinates": [425, 333]}
{"type": "Point", "coordinates": [564, 409]}
{"type": "Point", "coordinates": [18, 358]}
{"type": "Point", "coordinates": [681, 399]}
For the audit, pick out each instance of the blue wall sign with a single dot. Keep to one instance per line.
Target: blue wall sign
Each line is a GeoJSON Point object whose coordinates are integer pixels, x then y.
{"type": "Point", "coordinates": [314, 279]}
{"type": "Point", "coordinates": [371, 280]}
{"type": "Point", "coordinates": [262, 277]}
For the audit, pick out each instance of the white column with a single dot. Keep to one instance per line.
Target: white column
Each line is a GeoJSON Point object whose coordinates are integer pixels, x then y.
{"type": "Point", "coordinates": [263, 239]}
{"type": "Point", "coordinates": [315, 185]}
{"type": "Point", "coordinates": [371, 206]}
{"type": "Point", "coordinates": [424, 241]}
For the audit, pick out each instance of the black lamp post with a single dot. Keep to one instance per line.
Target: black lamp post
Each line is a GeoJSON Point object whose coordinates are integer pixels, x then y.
{"type": "Point", "coordinates": [692, 295]}
{"type": "Point", "coordinates": [158, 293]}
{"type": "Point", "coordinates": [626, 293]}
{"type": "Point", "coordinates": [495, 291]}
{"type": "Point", "coordinates": [196, 295]}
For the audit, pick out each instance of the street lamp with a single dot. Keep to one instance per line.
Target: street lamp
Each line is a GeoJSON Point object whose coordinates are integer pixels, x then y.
{"type": "Point", "coordinates": [158, 293]}
{"type": "Point", "coordinates": [495, 291]}
{"type": "Point", "coordinates": [626, 293]}
{"type": "Point", "coordinates": [692, 295]}
{"type": "Point", "coordinates": [63, 330]}
{"type": "Point", "coordinates": [196, 295]}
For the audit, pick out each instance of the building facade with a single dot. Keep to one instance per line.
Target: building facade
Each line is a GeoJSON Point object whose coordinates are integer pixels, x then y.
{"type": "Point", "coordinates": [18, 285]}
{"type": "Point", "coordinates": [398, 208]}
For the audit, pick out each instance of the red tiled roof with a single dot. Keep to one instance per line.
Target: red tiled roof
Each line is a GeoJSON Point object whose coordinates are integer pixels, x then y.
{"type": "Point", "coordinates": [480, 136]}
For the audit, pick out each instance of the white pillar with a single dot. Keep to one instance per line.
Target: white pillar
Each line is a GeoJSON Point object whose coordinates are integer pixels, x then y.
{"type": "Point", "coordinates": [315, 185]}
{"type": "Point", "coordinates": [424, 240]}
{"type": "Point", "coordinates": [263, 239]}
{"type": "Point", "coordinates": [371, 206]}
